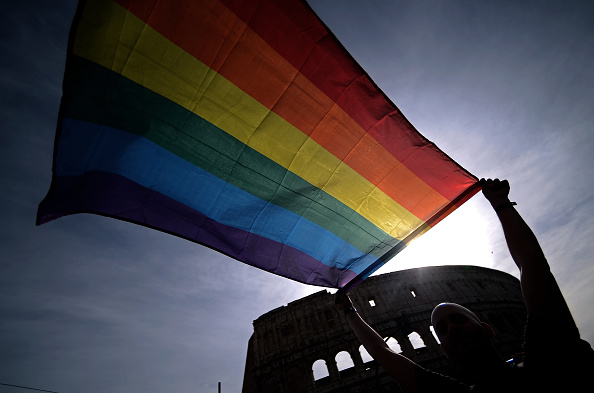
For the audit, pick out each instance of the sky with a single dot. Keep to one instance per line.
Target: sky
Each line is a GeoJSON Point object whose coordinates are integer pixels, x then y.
{"type": "Point", "coordinates": [92, 304]}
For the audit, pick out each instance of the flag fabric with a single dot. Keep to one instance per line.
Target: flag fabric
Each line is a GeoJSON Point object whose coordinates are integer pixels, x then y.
{"type": "Point", "coordinates": [244, 126]}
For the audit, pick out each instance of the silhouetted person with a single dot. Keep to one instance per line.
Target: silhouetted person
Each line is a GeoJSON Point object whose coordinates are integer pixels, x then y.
{"type": "Point", "coordinates": [555, 358]}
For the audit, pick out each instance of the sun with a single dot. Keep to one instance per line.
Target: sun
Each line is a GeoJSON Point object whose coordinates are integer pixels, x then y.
{"type": "Point", "coordinates": [462, 238]}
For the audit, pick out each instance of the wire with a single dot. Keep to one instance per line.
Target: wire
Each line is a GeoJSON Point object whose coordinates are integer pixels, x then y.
{"type": "Point", "coordinates": [24, 387]}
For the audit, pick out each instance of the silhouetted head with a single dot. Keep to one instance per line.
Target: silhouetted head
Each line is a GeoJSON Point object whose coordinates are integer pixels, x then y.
{"type": "Point", "coordinates": [464, 338]}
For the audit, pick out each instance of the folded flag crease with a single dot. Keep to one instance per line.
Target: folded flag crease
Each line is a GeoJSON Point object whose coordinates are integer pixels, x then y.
{"type": "Point", "coordinates": [244, 126]}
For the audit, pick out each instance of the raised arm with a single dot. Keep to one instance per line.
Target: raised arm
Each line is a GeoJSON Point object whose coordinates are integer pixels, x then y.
{"type": "Point", "coordinates": [522, 243]}
{"type": "Point", "coordinates": [399, 367]}
{"type": "Point", "coordinates": [539, 288]}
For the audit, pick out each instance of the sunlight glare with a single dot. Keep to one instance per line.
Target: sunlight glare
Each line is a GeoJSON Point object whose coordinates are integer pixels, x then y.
{"type": "Point", "coordinates": [462, 238]}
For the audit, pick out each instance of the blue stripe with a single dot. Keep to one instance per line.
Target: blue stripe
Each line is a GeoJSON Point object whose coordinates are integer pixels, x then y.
{"type": "Point", "coordinates": [85, 147]}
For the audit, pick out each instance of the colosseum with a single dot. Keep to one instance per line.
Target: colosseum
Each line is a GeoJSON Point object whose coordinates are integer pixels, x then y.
{"type": "Point", "coordinates": [307, 346]}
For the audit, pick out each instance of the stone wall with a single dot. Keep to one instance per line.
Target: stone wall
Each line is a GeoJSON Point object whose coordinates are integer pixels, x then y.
{"type": "Point", "coordinates": [289, 340]}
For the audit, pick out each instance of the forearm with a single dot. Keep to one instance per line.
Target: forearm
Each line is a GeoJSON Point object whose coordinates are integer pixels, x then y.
{"type": "Point", "coordinates": [538, 285]}
{"type": "Point", "coordinates": [529, 258]}
{"type": "Point", "coordinates": [370, 339]}
{"type": "Point", "coordinates": [398, 366]}
{"type": "Point", "coordinates": [521, 242]}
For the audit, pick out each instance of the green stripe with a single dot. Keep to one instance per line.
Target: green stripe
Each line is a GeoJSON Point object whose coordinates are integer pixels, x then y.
{"type": "Point", "coordinates": [104, 97]}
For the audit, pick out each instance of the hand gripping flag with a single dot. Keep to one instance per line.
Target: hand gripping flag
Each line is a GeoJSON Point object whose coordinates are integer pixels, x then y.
{"type": "Point", "coordinates": [245, 126]}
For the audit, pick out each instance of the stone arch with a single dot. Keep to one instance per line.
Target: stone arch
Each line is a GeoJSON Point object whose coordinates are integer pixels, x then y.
{"type": "Point", "coordinates": [416, 340]}
{"type": "Point", "coordinates": [365, 356]}
{"type": "Point", "coordinates": [393, 344]}
{"type": "Point", "coordinates": [344, 360]}
{"type": "Point", "coordinates": [274, 353]}
{"type": "Point", "coordinates": [320, 369]}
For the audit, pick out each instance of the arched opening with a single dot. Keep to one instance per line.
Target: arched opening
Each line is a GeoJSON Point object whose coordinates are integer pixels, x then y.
{"type": "Point", "coordinates": [344, 361]}
{"type": "Point", "coordinates": [393, 344]}
{"type": "Point", "coordinates": [320, 369]}
{"type": "Point", "coordinates": [416, 340]}
{"type": "Point", "coordinates": [365, 356]}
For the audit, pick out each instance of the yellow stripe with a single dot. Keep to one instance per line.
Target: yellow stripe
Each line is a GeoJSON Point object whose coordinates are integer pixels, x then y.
{"type": "Point", "coordinates": [111, 36]}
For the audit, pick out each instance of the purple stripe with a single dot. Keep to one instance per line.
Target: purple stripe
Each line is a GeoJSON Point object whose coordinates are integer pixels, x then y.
{"type": "Point", "coordinates": [115, 196]}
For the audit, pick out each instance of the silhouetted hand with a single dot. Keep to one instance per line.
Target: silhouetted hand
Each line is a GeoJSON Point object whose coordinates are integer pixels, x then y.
{"type": "Point", "coordinates": [342, 300]}
{"type": "Point", "coordinates": [496, 191]}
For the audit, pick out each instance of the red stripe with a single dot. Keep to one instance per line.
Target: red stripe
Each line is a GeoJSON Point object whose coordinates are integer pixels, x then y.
{"type": "Point", "coordinates": [311, 48]}
{"type": "Point", "coordinates": [292, 29]}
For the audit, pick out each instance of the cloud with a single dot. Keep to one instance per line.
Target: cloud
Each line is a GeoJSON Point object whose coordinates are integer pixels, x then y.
{"type": "Point", "coordinates": [95, 304]}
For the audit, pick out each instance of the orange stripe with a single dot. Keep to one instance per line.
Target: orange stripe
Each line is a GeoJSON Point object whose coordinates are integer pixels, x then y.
{"type": "Point", "coordinates": [217, 37]}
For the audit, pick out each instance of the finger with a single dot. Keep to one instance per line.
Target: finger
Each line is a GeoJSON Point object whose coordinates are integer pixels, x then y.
{"type": "Point", "coordinates": [486, 183]}
{"type": "Point", "coordinates": [492, 183]}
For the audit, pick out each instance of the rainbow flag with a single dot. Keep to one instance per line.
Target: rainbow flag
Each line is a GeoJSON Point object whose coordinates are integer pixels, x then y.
{"type": "Point", "coordinates": [245, 126]}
